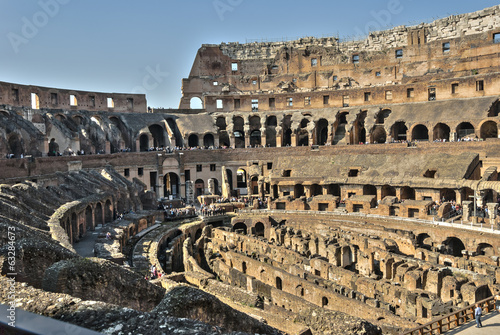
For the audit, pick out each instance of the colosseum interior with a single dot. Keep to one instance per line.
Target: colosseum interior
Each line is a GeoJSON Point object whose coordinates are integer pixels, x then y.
{"type": "Point", "coordinates": [324, 187]}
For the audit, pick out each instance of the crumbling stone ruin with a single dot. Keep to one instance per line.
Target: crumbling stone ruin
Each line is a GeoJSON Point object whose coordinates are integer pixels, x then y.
{"type": "Point", "coordinates": [347, 188]}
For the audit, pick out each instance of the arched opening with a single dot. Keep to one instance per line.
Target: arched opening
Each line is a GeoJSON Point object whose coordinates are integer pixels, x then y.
{"type": "Point", "coordinates": [15, 145]}
{"type": "Point", "coordinates": [399, 131]}
{"type": "Point", "coordinates": [316, 190]}
{"type": "Point", "coordinates": [358, 132]}
{"type": "Point", "coordinates": [172, 125]}
{"type": "Point", "coordinates": [193, 141]}
{"type": "Point", "coordinates": [388, 191]}
{"type": "Point", "coordinates": [420, 133]}
{"type": "Point", "coordinates": [240, 228]}
{"type": "Point", "coordinates": [379, 135]}
{"type": "Point", "coordinates": [89, 222]}
{"type": "Point", "coordinates": [485, 249]}
{"type": "Point", "coordinates": [298, 191]}
{"type": "Point", "coordinates": [221, 123]}
{"type": "Point", "coordinates": [424, 241]}
{"type": "Point", "coordinates": [199, 186]}
{"type": "Point", "coordinates": [279, 283]}
{"type": "Point", "coordinates": [407, 193]}
{"type": "Point", "coordinates": [241, 178]}
{"type": "Point", "coordinates": [340, 125]}
{"type": "Point", "coordinates": [382, 115]}
{"type": "Point", "coordinates": [271, 124]}
{"type": "Point", "coordinates": [208, 140]}
{"type": "Point", "coordinates": [255, 138]}
{"type": "Point", "coordinates": [299, 291]}
{"type": "Point", "coordinates": [98, 215]}
{"type": "Point", "coordinates": [324, 301]}
{"type": "Point", "coordinates": [143, 143]}
{"type": "Point", "coordinates": [254, 185]}
{"type": "Point", "coordinates": [447, 194]}
{"type": "Point", "coordinates": [224, 140]}
{"type": "Point", "coordinates": [453, 246]}
{"type": "Point", "coordinates": [108, 211]}
{"type": "Point", "coordinates": [334, 189]}
{"type": "Point", "coordinates": [259, 229]}
{"type": "Point", "coordinates": [171, 185]}
{"type": "Point", "coordinates": [158, 135]}
{"type": "Point", "coordinates": [287, 131]}
{"type": "Point", "coordinates": [489, 129]}
{"type": "Point", "coordinates": [321, 132]}
{"type": "Point", "coordinates": [465, 130]}
{"type": "Point", "coordinates": [239, 134]}
{"type": "Point", "coordinates": [35, 101]}
{"type": "Point", "coordinates": [441, 132]}
{"type": "Point", "coordinates": [369, 190]}
{"type": "Point", "coordinates": [195, 103]}
{"type": "Point", "coordinates": [303, 134]}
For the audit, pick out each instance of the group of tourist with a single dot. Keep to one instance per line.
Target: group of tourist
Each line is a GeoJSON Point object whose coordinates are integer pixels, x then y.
{"type": "Point", "coordinates": [212, 210]}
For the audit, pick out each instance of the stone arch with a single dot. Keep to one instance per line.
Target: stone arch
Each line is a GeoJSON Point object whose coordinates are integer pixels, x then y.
{"type": "Point", "coordinates": [453, 246]}
{"type": "Point", "coordinates": [303, 133]}
{"type": "Point", "coordinates": [158, 134]}
{"type": "Point", "coordinates": [279, 283]}
{"type": "Point", "coordinates": [271, 123]}
{"type": "Point", "coordinates": [378, 134]}
{"type": "Point", "coordinates": [399, 131]}
{"type": "Point", "coordinates": [339, 127]}
{"type": "Point", "coordinates": [197, 235]}
{"type": "Point", "coordinates": [98, 215]}
{"type": "Point", "coordinates": [316, 190]}
{"type": "Point", "coordinates": [240, 227]}
{"type": "Point", "coordinates": [334, 189]}
{"type": "Point", "coordinates": [174, 132]}
{"type": "Point", "coordinates": [420, 133]}
{"type": "Point", "coordinates": [286, 126]}
{"type": "Point", "coordinates": [255, 138]}
{"type": "Point", "coordinates": [193, 141]}
{"type": "Point", "coordinates": [488, 129]}
{"type": "Point", "coordinates": [15, 145]}
{"type": "Point", "coordinates": [89, 218]}
{"type": "Point", "coordinates": [321, 132]}
{"type": "Point", "coordinates": [259, 229]}
{"type": "Point", "coordinates": [407, 193]}
{"type": "Point", "coordinates": [447, 194]}
{"type": "Point", "coordinates": [199, 186]}
{"type": "Point", "coordinates": [244, 267]}
{"type": "Point", "coordinates": [424, 241]}
{"type": "Point", "coordinates": [196, 103]}
{"type": "Point", "coordinates": [465, 130]}
{"type": "Point", "coordinates": [143, 142]}
{"type": "Point", "coordinates": [299, 291]}
{"type": "Point", "coordinates": [220, 122]}
{"type": "Point", "coordinates": [369, 190]}
{"type": "Point", "coordinates": [208, 140]}
{"type": "Point", "coordinates": [239, 132]}
{"type": "Point", "coordinates": [124, 136]}
{"type": "Point", "coordinates": [382, 115]}
{"type": "Point", "coordinates": [224, 140]}
{"type": "Point", "coordinates": [485, 249]}
{"type": "Point", "coordinates": [441, 131]}
{"type": "Point", "coordinates": [298, 190]}
{"type": "Point", "coordinates": [495, 108]}
{"type": "Point", "coordinates": [241, 178]}
{"type": "Point", "coordinates": [324, 301]}
{"type": "Point", "coordinates": [358, 133]}
{"type": "Point", "coordinates": [388, 190]}
{"type": "Point", "coordinates": [171, 186]}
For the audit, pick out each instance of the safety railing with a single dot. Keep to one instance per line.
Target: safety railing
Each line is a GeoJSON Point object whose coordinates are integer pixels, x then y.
{"type": "Point", "coordinates": [452, 320]}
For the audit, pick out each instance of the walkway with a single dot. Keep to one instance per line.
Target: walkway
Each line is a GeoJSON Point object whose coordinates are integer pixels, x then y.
{"type": "Point", "coordinates": [491, 326]}
{"type": "Point", "coordinates": [85, 247]}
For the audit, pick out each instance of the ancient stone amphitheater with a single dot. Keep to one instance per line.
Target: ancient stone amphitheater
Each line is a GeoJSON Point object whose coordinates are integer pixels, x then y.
{"type": "Point", "coordinates": [347, 188]}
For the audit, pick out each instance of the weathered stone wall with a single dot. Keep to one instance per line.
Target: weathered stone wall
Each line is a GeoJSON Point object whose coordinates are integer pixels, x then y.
{"type": "Point", "coordinates": [102, 280]}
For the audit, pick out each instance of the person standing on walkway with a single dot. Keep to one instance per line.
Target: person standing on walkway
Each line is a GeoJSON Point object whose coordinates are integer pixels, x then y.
{"type": "Point", "coordinates": [478, 312]}
{"type": "Point", "coordinates": [497, 303]}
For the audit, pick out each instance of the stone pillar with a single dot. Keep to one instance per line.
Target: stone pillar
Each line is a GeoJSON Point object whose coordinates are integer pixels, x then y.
{"type": "Point", "coordinates": [453, 136]}
{"type": "Point", "coordinates": [294, 139]}
{"type": "Point", "coordinates": [232, 141]}
{"type": "Point", "coordinates": [307, 191]}
{"type": "Point", "coordinates": [263, 136]}
{"type": "Point", "coordinates": [324, 189]}
{"type": "Point", "coordinates": [137, 145]}
{"type": "Point", "coordinates": [492, 212]}
{"type": "Point", "coordinates": [159, 187]}
{"type": "Point", "coordinates": [108, 147]}
{"type": "Point", "coordinates": [189, 192]}
{"type": "Point", "coordinates": [467, 207]}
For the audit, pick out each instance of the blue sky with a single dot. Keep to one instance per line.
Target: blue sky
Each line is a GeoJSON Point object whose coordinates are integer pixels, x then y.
{"type": "Point", "coordinates": [148, 46]}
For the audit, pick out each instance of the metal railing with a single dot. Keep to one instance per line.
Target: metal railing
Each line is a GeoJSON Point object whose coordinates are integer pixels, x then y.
{"type": "Point", "coordinates": [452, 320]}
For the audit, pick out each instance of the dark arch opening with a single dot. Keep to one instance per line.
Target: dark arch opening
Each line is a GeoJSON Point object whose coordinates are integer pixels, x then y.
{"type": "Point", "coordinates": [465, 130]}
{"type": "Point", "coordinates": [453, 246]}
{"type": "Point", "coordinates": [193, 141]}
{"type": "Point", "coordinates": [321, 132]}
{"type": "Point", "coordinates": [420, 133]}
{"type": "Point", "coordinates": [259, 229]}
{"type": "Point", "coordinates": [240, 228]}
{"type": "Point", "coordinates": [143, 143]}
{"type": "Point", "coordinates": [489, 129]}
{"type": "Point", "coordinates": [171, 185]}
{"type": "Point", "coordinates": [424, 241]}
{"type": "Point", "coordinates": [208, 140]}
{"type": "Point", "coordinates": [441, 132]}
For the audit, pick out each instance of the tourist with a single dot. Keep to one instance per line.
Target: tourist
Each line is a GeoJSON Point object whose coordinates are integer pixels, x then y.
{"type": "Point", "coordinates": [497, 303]}
{"type": "Point", "coordinates": [108, 236]}
{"type": "Point", "coordinates": [478, 312]}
